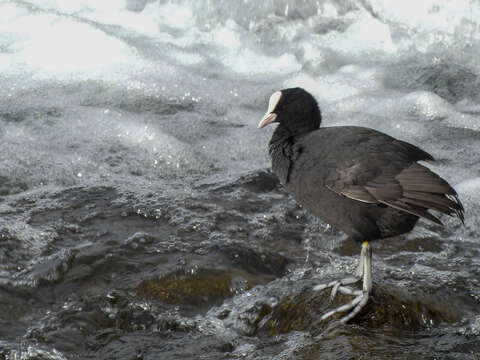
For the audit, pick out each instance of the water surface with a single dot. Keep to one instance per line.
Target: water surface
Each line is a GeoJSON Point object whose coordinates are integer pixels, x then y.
{"type": "Point", "coordinates": [138, 215]}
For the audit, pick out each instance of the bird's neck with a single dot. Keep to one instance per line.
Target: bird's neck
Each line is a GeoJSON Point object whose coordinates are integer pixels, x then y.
{"type": "Point", "coordinates": [280, 137]}
{"type": "Point", "coordinates": [281, 149]}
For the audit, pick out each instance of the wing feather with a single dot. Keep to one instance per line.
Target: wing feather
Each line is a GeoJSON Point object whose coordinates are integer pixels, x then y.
{"type": "Point", "coordinates": [414, 189]}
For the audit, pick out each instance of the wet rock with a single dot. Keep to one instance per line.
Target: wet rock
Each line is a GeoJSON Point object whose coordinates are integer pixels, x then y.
{"type": "Point", "coordinates": [200, 288]}
{"type": "Point", "coordinates": [387, 308]}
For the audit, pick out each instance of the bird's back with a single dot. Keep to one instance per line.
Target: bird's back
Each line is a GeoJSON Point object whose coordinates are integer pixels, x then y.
{"type": "Point", "coordinates": [334, 146]}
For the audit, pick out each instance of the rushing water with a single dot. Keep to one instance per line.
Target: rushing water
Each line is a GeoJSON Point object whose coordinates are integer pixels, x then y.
{"type": "Point", "coordinates": [138, 217]}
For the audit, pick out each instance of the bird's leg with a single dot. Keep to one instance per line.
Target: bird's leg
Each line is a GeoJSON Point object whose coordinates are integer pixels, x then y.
{"type": "Point", "coordinates": [364, 271]}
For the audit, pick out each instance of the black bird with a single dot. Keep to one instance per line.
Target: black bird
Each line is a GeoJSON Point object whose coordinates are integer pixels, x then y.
{"type": "Point", "coordinates": [357, 179]}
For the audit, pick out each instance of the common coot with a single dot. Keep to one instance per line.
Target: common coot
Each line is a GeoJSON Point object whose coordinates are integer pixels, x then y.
{"type": "Point", "coordinates": [357, 179]}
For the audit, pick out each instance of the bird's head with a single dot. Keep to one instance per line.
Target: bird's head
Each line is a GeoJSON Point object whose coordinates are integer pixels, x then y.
{"type": "Point", "coordinates": [295, 109]}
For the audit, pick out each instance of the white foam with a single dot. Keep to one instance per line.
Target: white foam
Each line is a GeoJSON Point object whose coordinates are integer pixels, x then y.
{"type": "Point", "coordinates": [227, 36]}
{"type": "Point", "coordinates": [470, 187]}
{"type": "Point", "coordinates": [348, 81]}
{"type": "Point", "coordinates": [47, 46]}
{"type": "Point", "coordinates": [144, 23]}
{"type": "Point", "coordinates": [429, 15]}
{"type": "Point", "coordinates": [428, 105]}
{"type": "Point", "coordinates": [69, 41]}
{"type": "Point", "coordinates": [115, 12]}
{"type": "Point", "coordinates": [9, 12]}
{"type": "Point", "coordinates": [172, 15]}
{"type": "Point", "coordinates": [365, 37]}
{"type": "Point", "coordinates": [79, 6]}
{"type": "Point", "coordinates": [229, 42]}
{"type": "Point", "coordinates": [90, 145]}
{"type": "Point", "coordinates": [247, 62]}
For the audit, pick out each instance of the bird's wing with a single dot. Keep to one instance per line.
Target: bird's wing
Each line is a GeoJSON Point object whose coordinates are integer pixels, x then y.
{"type": "Point", "coordinates": [385, 171]}
{"type": "Point", "coordinates": [409, 187]}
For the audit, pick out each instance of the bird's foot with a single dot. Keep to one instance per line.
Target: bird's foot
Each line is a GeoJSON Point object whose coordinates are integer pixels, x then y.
{"type": "Point", "coordinates": [364, 272]}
